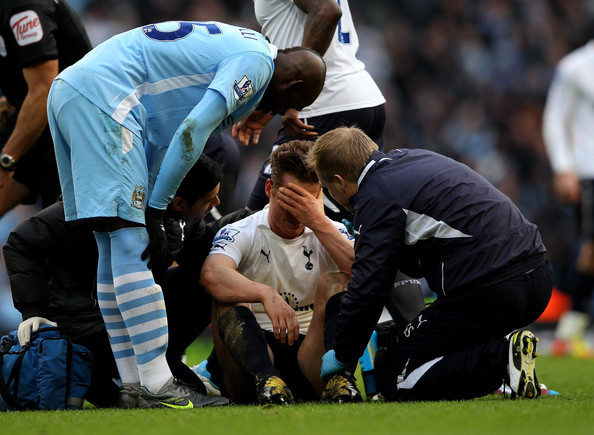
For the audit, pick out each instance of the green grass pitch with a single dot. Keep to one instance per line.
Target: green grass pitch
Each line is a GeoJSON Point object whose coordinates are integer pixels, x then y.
{"type": "Point", "coordinates": [572, 412]}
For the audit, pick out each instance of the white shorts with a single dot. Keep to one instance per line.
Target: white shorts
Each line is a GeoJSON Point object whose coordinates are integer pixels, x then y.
{"type": "Point", "coordinates": [102, 165]}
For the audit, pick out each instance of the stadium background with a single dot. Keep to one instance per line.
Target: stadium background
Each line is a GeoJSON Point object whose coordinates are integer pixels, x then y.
{"type": "Point", "coordinates": [466, 78]}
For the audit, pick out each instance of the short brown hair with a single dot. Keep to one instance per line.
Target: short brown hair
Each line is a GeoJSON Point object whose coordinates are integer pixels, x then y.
{"type": "Point", "coordinates": [343, 151]}
{"type": "Point", "coordinates": [291, 158]}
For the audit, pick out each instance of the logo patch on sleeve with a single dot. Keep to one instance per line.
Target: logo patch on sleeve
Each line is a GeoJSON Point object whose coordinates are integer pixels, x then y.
{"type": "Point", "coordinates": [226, 235]}
{"type": "Point", "coordinates": [26, 28]}
{"type": "Point", "coordinates": [243, 88]}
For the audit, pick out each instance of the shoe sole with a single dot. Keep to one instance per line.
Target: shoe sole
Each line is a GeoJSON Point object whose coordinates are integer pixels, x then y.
{"type": "Point", "coordinates": [277, 399]}
{"type": "Point", "coordinates": [523, 351]}
{"type": "Point", "coordinates": [344, 398]}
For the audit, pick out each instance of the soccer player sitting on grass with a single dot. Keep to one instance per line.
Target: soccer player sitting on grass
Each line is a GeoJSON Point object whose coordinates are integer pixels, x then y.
{"type": "Point", "coordinates": [435, 218]}
{"type": "Point", "coordinates": [276, 278]}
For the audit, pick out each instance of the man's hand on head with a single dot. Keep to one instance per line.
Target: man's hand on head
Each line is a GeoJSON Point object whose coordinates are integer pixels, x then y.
{"type": "Point", "coordinates": [306, 208]}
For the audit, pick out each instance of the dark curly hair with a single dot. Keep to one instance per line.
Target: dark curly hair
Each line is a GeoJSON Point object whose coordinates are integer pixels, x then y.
{"type": "Point", "coordinates": [201, 179]}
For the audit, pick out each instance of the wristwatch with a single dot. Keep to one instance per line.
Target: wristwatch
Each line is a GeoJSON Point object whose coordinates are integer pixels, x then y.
{"type": "Point", "coordinates": [7, 162]}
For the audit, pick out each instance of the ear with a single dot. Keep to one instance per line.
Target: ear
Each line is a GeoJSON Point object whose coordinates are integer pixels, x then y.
{"type": "Point", "coordinates": [295, 86]}
{"type": "Point", "coordinates": [178, 204]}
{"type": "Point", "coordinates": [268, 188]}
{"type": "Point", "coordinates": [340, 180]}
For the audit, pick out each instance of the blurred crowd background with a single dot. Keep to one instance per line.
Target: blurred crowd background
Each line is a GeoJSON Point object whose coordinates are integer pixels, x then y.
{"type": "Point", "coordinates": [466, 78]}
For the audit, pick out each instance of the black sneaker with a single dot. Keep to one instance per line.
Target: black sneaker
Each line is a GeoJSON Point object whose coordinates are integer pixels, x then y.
{"type": "Point", "coordinates": [273, 390]}
{"type": "Point", "coordinates": [341, 388]}
{"type": "Point", "coordinates": [522, 355]}
{"type": "Point", "coordinates": [177, 395]}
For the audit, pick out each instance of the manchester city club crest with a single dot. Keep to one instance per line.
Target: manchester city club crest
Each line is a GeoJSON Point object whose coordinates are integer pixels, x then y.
{"type": "Point", "coordinates": [138, 197]}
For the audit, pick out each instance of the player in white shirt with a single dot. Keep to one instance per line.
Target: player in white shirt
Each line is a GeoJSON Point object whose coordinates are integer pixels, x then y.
{"type": "Point", "coordinates": [568, 128]}
{"type": "Point", "coordinates": [275, 276]}
{"type": "Point", "coordinates": [128, 122]}
{"type": "Point", "coordinates": [350, 95]}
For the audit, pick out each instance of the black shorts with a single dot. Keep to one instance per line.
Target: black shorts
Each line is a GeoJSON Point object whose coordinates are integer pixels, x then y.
{"type": "Point", "coordinates": [587, 210]}
{"type": "Point", "coordinates": [460, 328]}
{"type": "Point", "coordinates": [285, 361]}
{"type": "Point", "coordinates": [371, 120]}
{"type": "Point", "coordinates": [39, 172]}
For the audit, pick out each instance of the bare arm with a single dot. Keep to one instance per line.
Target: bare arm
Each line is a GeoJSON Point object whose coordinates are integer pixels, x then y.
{"type": "Point", "coordinates": [322, 18]}
{"type": "Point", "coordinates": [310, 212]}
{"type": "Point", "coordinates": [225, 284]}
{"type": "Point", "coordinates": [32, 117]}
{"type": "Point", "coordinates": [558, 115]}
{"type": "Point", "coordinates": [567, 187]}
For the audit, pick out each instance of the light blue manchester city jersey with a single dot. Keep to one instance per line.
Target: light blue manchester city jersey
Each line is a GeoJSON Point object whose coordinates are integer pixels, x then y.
{"type": "Point", "coordinates": [152, 79]}
{"type": "Point", "coordinates": [153, 76]}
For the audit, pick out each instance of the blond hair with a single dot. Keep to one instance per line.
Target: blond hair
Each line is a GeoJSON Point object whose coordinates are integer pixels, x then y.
{"type": "Point", "coordinates": [343, 151]}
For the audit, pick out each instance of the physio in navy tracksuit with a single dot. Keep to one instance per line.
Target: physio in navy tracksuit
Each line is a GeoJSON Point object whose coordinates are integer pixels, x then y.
{"type": "Point", "coordinates": [435, 218]}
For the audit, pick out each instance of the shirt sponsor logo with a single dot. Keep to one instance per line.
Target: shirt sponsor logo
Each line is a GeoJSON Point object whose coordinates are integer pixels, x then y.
{"type": "Point", "coordinates": [26, 28]}
{"type": "Point", "coordinates": [242, 89]}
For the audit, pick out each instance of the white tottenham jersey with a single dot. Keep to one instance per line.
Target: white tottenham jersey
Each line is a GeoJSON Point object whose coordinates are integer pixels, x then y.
{"type": "Point", "coordinates": [348, 85]}
{"type": "Point", "coordinates": [291, 266]}
{"type": "Point", "coordinates": [568, 124]}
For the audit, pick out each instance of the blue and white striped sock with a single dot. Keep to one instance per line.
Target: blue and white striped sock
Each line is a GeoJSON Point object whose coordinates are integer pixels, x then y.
{"type": "Point", "coordinates": [141, 304]}
{"type": "Point", "coordinates": [119, 339]}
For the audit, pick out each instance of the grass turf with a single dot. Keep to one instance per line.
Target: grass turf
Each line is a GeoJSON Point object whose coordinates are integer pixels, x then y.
{"type": "Point", "coordinates": [571, 412]}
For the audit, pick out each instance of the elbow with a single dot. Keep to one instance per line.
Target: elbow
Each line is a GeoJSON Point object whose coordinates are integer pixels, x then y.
{"type": "Point", "coordinates": [346, 266]}
{"type": "Point", "coordinates": [206, 280]}
{"type": "Point", "coordinates": [331, 12]}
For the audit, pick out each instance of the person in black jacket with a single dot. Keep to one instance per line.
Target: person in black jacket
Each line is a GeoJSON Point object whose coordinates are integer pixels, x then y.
{"type": "Point", "coordinates": [435, 218]}
{"type": "Point", "coordinates": [38, 39]}
{"type": "Point", "coordinates": [52, 266]}
{"type": "Point", "coordinates": [189, 242]}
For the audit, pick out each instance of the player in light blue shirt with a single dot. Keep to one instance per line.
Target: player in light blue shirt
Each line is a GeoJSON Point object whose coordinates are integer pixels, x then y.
{"type": "Point", "coordinates": [128, 121]}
